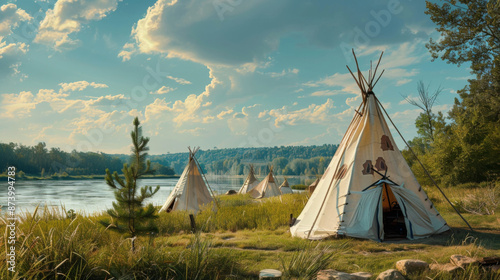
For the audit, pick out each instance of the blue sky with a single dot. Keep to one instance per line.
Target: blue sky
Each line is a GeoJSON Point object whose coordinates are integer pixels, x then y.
{"type": "Point", "coordinates": [217, 73]}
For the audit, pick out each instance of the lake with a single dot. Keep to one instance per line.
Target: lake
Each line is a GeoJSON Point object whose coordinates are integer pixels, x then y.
{"type": "Point", "coordinates": [91, 196]}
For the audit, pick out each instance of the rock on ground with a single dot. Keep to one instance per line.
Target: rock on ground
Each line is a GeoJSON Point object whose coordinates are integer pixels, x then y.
{"type": "Point", "coordinates": [330, 274]}
{"type": "Point", "coordinates": [390, 274]}
{"type": "Point", "coordinates": [411, 266]}
{"type": "Point", "coordinates": [462, 261]}
{"type": "Point", "coordinates": [448, 267]}
{"type": "Point", "coordinates": [361, 275]}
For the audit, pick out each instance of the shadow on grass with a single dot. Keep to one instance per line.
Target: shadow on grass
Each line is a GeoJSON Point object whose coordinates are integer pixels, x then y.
{"type": "Point", "coordinates": [456, 236]}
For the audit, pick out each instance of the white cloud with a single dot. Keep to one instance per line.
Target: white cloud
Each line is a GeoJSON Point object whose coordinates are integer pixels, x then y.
{"type": "Point", "coordinates": [155, 109]}
{"type": "Point", "coordinates": [79, 86]}
{"type": "Point", "coordinates": [163, 90]}
{"type": "Point", "coordinates": [327, 92]}
{"type": "Point", "coordinates": [17, 105]}
{"type": "Point", "coordinates": [10, 17]}
{"type": "Point", "coordinates": [283, 73]}
{"type": "Point", "coordinates": [221, 115]}
{"type": "Point", "coordinates": [313, 114]}
{"type": "Point", "coordinates": [406, 54]}
{"type": "Point", "coordinates": [127, 51]}
{"type": "Point", "coordinates": [179, 80]}
{"type": "Point", "coordinates": [68, 17]}
{"type": "Point", "coordinates": [10, 51]}
{"type": "Point", "coordinates": [403, 81]}
{"type": "Point", "coordinates": [182, 110]}
{"type": "Point", "coordinates": [196, 31]}
{"type": "Point", "coordinates": [344, 81]}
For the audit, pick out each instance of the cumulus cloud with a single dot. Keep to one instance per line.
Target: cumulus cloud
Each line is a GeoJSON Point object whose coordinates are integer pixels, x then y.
{"type": "Point", "coordinates": [127, 51]}
{"type": "Point", "coordinates": [179, 80]}
{"type": "Point", "coordinates": [313, 114]}
{"type": "Point", "coordinates": [197, 30]}
{"type": "Point", "coordinates": [68, 17]}
{"type": "Point", "coordinates": [163, 90]}
{"type": "Point", "coordinates": [403, 81]}
{"type": "Point", "coordinates": [79, 86]}
{"type": "Point", "coordinates": [17, 104]}
{"type": "Point", "coordinates": [344, 82]}
{"type": "Point", "coordinates": [10, 17]}
{"type": "Point", "coordinates": [10, 51]}
{"type": "Point", "coordinates": [221, 115]}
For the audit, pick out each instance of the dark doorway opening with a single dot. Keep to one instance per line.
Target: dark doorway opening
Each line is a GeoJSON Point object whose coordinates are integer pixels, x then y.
{"type": "Point", "coordinates": [394, 221]}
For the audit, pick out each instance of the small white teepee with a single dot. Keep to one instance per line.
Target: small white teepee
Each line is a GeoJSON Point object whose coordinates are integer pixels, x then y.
{"type": "Point", "coordinates": [249, 183]}
{"type": "Point", "coordinates": [312, 186]}
{"type": "Point", "coordinates": [368, 190]}
{"type": "Point", "coordinates": [285, 187]}
{"type": "Point", "coordinates": [191, 192]}
{"type": "Point", "coordinates": [266, 188]}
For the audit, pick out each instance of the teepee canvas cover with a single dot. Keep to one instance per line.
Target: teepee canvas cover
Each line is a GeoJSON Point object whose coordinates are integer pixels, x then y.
{"type": "Point", "coordinates": [191, 191]}
{"type": "Point", "coordinates": [249, 183]}
{"type": "Point", "coordinates": [368, 190]}
{"type": "Point", "coordinates": [285, 187]}
{"type": "Point", "coordinates": [266, 188]}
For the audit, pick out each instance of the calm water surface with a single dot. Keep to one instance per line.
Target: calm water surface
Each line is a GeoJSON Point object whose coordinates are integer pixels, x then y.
{"type": "Point", "coordinates": [94, 195]}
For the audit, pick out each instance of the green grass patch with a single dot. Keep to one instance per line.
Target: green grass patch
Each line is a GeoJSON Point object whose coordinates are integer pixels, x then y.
{"type": "Point", "coordinates": [238, 240]}
{"type": "Point", "coordinates": [299, 187]}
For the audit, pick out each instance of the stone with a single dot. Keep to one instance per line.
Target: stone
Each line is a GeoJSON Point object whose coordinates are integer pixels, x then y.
{"type": "Point", "coordinates": [462, 261]}
{"type": "Point", "coordinates": [407, 267]}
{"type": "Point", "coordinates": [390, 274]}
{"type": "Point", "coordinates": [330, 274]}
{"type": "Point", "coordinates": [448, 267]}
{"type": "Point", "coordinates": [361, 275]}
{"type": "Point", "coordinates": [269, 274]}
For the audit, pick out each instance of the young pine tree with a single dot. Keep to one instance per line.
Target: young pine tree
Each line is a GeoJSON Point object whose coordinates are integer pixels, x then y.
{"type": "Point", "coordinates": [129, 209]}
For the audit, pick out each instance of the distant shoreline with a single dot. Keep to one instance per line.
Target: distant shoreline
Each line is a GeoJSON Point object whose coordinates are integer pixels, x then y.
{"type": "Point", "coordinates": [84, 177]}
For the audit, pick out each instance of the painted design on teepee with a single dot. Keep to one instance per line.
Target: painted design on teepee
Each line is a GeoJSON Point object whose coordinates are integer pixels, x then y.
{"type": "Point", "coordinates": [367, 167]}
{"type": "Point", "coordinates": [386, 143]}
{"type": "Point", "coordinates": [380, 164]}
{"type": "Point", "coordinates": [341, 172]}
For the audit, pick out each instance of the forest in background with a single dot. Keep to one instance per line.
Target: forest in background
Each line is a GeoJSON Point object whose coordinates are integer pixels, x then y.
{"type": "Point", "coordinates": [462, 146]}
{"type": "Point", "coordinates": [40, 161]}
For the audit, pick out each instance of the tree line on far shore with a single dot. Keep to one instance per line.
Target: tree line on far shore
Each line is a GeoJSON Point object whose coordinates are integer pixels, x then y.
{"type": "Point", "coordinates": [38, 160]}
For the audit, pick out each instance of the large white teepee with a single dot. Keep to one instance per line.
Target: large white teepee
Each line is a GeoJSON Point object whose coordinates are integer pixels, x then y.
{"type": "Point", "coordinates": [266, 188]}
{"type": "Point", "coordinates": [368, 190]}
{"type": "Point", "coordinates": [191, 191]}
{"type": "Point", "coordinates": [249, 183]}
{"type": "Point", "coordinates": [285, 187]}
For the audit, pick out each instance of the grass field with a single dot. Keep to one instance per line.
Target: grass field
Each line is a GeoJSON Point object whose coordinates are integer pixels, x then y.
{"type": "Point", "coordinates": [241, 238]}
